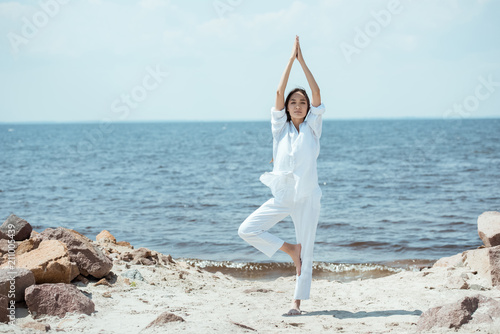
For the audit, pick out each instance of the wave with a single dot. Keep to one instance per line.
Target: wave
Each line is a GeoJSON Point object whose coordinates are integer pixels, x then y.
{"type": "Point", "coordinates": [343, 272]}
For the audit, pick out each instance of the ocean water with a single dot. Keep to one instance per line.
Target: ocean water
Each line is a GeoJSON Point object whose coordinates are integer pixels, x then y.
{"type": "Point", "coordinates": [395, 192]}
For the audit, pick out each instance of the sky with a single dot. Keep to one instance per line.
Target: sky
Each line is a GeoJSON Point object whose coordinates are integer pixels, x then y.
{"type": "Point", "coordinates": [221, 60]}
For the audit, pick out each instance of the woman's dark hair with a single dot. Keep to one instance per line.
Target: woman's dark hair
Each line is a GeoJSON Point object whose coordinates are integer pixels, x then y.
{"type": "Point", "coordinates": [301, 90]}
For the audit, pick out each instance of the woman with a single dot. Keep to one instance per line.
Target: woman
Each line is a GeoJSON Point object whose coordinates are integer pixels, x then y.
{"type": "Point", "coordinates": [296, 129]}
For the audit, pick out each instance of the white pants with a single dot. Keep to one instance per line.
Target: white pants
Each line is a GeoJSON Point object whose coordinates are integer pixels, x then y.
{"type": "Point", "coordinates": [304, 214]}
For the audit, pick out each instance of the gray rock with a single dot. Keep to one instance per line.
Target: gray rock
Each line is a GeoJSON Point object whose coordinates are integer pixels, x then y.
{"type": "Point", "coordinates": [18, 227]}
{"type": "Point", "coordinates": [88, 257]}
{"type": "Point", "coordinates": [4, 311]}
{"type": "Point", "coordinates": [23, 278]}
{"type": "Point", "coordinates": [488, 227]}
{"type": "Point", "coordinates": [475, 309]}
{"type": "Point", "coordinates": [477, 287]}
{"type": "Point", "coordinates": [133, 274]}
{"type": "Point", "coordinates": [57, 299]}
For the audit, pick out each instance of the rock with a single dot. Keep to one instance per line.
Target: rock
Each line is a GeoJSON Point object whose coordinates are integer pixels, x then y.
{"type": "Point", "coordinates": [456, 282]}
{"type": "Point", "coordinates": [127, 257]}
{"type": "Point", "coordinates": [4, 246]}
{"type": "Point", "coordinates": [56, 300]}
{"type": "Point", "coordinates": [488, 227]}
{"type": "Point", "coordinates": [35, 235]}
{"type": "Point", "coordinates": [102, 281]}
{"type": "Point", "coordinates": [486, 262]}
{"type": "Point", "coordinates": [146, 257]}
{"type": "Point", "coordinates": [4, 311]}
{"type": "Point", "coordinates": [111, 277]}
{"type": "Point", "coordinates": [494, 255]}
{"type": "Point", "coordinates": [17, 227]}
{"type": "Point", "coordinates": [262, 290]}
{"type": "Point", "coordinates": [36, 325]}
{"type": "Point", "coordinates": [450, 261]}
{"type": "Point", "coordinates": [166, 259]}
{"type": "Point", "coordinates": [487, 312]}
{"type": "Point", "coordinates": [82, 279]}
{"type": "Point", "coordinates": [49, 263]}
{"type": "Point", "coordinates": [88, 257]}
{"type": "Point", "coordinates": [22, 277]}
{"type": "Point", "coordinates": [133, 274]}
{"type": "Point", "coordinates": [27, 245]}
{"type": "Point", "coordinates": [164, 318]}
{"type": "Point", "coordinates": [125, 244]}
{"type": "Point", "coordinates": [477, 287]}
{"type": "Point", "coordinates": [105, 236]}
{"type": "Point", "coordinates": [16, 247]}
{"type": "Point", "coordinates": [4, 250]}
{"type": "Point", "coordinates": [475, 309]}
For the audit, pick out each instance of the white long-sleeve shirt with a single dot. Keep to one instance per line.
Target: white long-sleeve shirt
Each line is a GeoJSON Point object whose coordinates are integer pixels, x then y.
{"type": "Point", "coordinates": [294, 154]}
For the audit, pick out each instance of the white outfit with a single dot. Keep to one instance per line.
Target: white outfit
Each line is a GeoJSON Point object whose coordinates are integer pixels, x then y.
{"type": "Point", "coordinates": [294, 185]}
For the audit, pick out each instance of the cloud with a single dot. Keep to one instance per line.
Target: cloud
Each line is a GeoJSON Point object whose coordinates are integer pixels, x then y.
{"type": "Point", "coordinates": [154, 4]}
{"type": "Point", "coordinates": [101, 47]}
{"type": "Point", "coordinates": [14, 10]}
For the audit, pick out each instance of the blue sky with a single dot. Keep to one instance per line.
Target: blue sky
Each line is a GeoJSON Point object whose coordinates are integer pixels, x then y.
{"type": "Point", "coordinates": [93, 60]}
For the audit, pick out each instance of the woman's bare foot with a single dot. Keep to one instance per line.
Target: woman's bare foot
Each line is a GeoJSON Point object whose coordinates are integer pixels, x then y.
{"type": "Point", "coordinates": [295, 310]}
{"type": "Point", "coordinates": [294, 252]}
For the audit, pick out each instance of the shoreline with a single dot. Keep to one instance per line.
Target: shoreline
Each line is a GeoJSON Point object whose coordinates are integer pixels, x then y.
{"type": "Point", "coordinates": [149, 292]}
{"type": "Point", "coordinates": [331, 271]}
{"type": "Point", "coordinates": [214, 302]}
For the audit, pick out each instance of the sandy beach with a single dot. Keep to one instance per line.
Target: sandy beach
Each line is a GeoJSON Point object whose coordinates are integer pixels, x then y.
{"type": "Point", "coordinates": [172, 166]}
{"type": "Point", "coordinates": [214, 302]}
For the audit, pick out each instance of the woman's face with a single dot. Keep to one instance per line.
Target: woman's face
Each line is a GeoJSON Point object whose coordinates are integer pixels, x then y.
{"type": "Point", "coordinates": [297, 106]}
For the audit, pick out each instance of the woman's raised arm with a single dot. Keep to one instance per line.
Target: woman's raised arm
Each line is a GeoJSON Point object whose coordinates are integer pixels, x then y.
{"type": "Point", "coordinates": [280, 93]}
{"type": "Point", "coordinates": [316, 96]}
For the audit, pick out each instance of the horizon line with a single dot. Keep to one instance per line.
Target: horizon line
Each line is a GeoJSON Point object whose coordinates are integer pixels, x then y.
{"type": "Point", "coordinates": [247, 120]}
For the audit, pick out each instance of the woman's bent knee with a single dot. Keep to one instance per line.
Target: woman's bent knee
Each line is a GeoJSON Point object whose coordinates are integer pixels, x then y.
{"type": "Point", "coordinates": [243, 231]}
{"type": "Point", "coordinates": [246, 230]}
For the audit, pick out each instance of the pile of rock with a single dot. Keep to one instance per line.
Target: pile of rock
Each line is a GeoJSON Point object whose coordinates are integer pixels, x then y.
{"type": "Point", "coordinates": [483, 262]}
{"type": "Point", "coordinates": [47, 263]}
{"type": "Point", "coordinates": [44, 265]}
{"type": "Point", "coordinates": [482, 272]}
{"type": "Point", "coordinates": [124, 251]}
{"type": "Point", "coordinates": [486, 261]}
{"type": "Point", "coordinates": [473, 310]}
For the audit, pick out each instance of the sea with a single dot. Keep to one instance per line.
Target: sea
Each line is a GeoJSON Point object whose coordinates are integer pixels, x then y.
{"type": "Point", "coordinates": [397, 194]}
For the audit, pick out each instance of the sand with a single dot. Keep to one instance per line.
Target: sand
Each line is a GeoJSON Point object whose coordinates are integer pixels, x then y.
{"type": "Point", "coordinates": [219, 303]}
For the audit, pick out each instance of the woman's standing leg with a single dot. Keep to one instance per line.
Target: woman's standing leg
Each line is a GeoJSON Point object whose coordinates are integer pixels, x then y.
{"type": "Point", "coordinates": [305, 217]}
{"type": "Point", "coordinates": [254, 229]}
